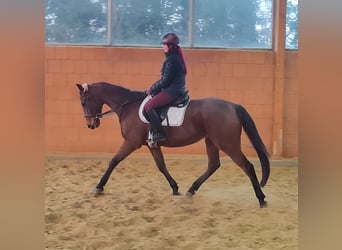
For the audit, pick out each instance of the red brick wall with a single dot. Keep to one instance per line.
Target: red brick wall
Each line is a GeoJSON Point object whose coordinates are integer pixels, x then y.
{"type": "Point", "coordinates": [245, 77]}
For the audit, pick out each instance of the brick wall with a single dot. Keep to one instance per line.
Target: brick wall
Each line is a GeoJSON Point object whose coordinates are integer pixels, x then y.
{"type": "Point", "coordinates": [245, 77]}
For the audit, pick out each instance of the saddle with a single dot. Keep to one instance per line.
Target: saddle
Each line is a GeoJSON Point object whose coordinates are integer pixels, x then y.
{"type": "Point", "coordinates": [171, 114]}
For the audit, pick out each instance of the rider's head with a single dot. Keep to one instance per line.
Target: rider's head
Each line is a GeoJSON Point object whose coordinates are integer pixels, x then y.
{"type": "Point", "coordinates": [171, 39]}
{"type": "Point", "coordinates": [170, 43]}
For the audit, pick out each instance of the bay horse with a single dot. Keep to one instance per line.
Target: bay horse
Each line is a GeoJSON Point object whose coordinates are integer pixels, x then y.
{"type": "Point", "coordinates": [218, 121]}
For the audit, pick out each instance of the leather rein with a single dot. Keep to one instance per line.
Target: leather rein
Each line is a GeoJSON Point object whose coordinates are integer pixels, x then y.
{"type": "Point", "coordinates": [99, 115]}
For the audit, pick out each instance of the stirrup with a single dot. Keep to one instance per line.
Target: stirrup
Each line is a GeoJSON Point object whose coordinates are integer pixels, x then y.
{"type": "Point", "coordinates": [152, 144]}
{"type": "Point", "coordinates": [153, 140]}
{"type": "Point", "coordinates": [158, 138]}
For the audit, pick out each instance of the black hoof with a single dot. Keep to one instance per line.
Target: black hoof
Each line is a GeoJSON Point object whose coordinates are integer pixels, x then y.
{"type": "Point", "coordinates": [97, 191]}
{"type": "Point", "coordinates": [176, 193]}
{"type": "Point", "coordinates": [263, 204]}
{"type": "Point", "coordinates": [189, 194]}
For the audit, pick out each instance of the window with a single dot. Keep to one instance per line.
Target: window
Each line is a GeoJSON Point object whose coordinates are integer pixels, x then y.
{"type": "Point", "coordinates": [76, 21]}
{"type": "Point", "coordinates": [199, 23]}
{"type": "Point", "coordinates": [137, 22]}
{"type": "Point", "coordinates": [292, 24]}
{"type": "Point", "coordinates": [233, 24]}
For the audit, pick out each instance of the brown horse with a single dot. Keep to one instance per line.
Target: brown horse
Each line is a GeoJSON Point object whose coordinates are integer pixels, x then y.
{"type": "Point", "coordinates": [218, 121]}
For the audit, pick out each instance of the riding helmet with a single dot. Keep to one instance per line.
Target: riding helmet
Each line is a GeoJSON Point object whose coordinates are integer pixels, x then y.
{"type": "Point", "coordinates": [170, 38]}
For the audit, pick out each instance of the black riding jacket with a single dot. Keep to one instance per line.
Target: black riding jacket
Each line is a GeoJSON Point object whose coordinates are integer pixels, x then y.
{"type": "Point", "coordinates": [172, 76]}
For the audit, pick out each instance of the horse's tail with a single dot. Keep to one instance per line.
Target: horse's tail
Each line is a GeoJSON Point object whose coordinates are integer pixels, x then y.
{"type": "Point", "coordinates": [254, 137]}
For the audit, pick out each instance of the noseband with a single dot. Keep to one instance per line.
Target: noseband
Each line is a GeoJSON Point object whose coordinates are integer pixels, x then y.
{"type": "Point", "coordinates": [99, 115]}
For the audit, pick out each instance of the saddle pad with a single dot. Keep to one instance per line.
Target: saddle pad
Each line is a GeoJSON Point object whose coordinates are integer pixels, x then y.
{"type": "Point", "coordinates": [175, 115]}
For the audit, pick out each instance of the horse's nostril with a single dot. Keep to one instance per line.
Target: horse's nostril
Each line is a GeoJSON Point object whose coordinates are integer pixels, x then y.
{"type": "Point", "coordinates": [91, 126]}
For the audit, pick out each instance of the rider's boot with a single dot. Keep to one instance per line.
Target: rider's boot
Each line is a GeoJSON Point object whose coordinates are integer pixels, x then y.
{"type": "Point", "coordinates": [156, 128]}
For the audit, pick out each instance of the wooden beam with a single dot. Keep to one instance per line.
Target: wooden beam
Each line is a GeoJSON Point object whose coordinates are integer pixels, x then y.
{"type": "Point", "coordinates": [279, 32]}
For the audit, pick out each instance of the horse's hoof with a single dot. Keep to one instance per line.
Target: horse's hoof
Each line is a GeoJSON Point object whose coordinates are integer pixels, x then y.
{"type": "Point", "coordinates": [263, 204]}
{"type": "Point", "coordinates": [97, 191]}
{"type": "Point", "coordinates": [189, 194]}
{"type": "Point", "coordinates": [176, 193]}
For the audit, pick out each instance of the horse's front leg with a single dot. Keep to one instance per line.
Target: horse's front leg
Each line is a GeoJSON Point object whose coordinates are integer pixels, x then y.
{"type": "Point", "coordinates": [159, 160]}
{"type": "Point", "coordinates": [125, 150]}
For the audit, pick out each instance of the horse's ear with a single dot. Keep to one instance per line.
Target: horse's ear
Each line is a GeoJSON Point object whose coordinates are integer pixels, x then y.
{"type": "Point", "coordinates": [82, 87]}
{"type": "Point", "coordinates": [79, 87]}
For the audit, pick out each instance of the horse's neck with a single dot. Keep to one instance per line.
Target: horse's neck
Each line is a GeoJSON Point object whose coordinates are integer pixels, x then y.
{"type": "Point", "coordinates": [121, 97]}
{"type": "Point", "coordinates": [113, 104]}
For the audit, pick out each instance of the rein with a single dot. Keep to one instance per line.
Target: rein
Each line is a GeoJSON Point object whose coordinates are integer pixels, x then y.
{"type": "Point", "coordinates": [99, 115]}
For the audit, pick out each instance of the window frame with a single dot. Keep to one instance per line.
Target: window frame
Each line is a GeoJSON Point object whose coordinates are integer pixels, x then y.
{"type": "Point", "coordinates": [190, 43]}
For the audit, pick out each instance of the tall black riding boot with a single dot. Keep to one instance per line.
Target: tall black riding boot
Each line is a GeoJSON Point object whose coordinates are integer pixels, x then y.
{"type": "Point", "coordinates": [156, 128]}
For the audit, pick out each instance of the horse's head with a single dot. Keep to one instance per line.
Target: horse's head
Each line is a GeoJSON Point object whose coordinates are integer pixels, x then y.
{"type": "Point", "coordinates": [91, 108]}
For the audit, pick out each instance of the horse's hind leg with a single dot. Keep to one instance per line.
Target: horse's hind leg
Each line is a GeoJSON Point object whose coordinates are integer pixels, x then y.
{"type": "Point", "coordinates": [241, 160]}
{"type": "Point", "coordinates": [159, 160]}
{"type": "Point", "coordinates": [213, 165]}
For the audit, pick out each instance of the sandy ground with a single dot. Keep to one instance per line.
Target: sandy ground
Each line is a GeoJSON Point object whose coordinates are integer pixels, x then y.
{"type": "Point", "coordinates": [138, 210]}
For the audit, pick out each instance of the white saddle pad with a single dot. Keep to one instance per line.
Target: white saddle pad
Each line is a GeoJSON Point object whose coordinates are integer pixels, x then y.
{"type": "Point", "coordinates": [175, 116]}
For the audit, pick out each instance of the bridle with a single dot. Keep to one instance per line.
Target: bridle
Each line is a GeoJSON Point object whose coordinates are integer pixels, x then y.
{"type": "Point", "coordinates": [98, 115]}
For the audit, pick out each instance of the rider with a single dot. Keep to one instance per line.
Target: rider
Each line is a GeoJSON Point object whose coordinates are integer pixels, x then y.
{"type": "Point", "coordinates": [170, 86]}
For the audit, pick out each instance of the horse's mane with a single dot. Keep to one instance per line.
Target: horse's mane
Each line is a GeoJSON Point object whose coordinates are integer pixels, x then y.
{"type": "Point", "coordinates": [125, 95]}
